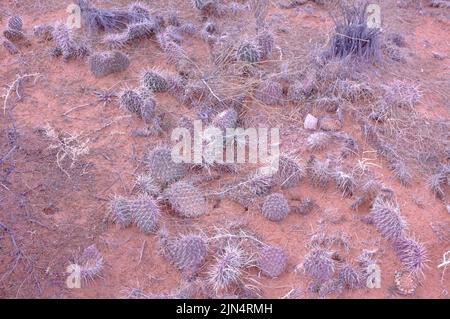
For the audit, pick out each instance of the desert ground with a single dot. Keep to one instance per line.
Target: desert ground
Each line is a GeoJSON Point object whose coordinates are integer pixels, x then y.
{"type": "Point", "coordinates": [92, 205]}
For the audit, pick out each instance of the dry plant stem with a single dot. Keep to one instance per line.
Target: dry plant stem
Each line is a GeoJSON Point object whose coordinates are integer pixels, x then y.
{"type": "Point", "coordinates": [16, 86]}
{"type": "Point", "coordinates": [445, 263]}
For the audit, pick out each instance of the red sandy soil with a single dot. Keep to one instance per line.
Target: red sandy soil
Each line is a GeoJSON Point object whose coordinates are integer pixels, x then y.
{"type": "Point", "coordinates": [52, 215]}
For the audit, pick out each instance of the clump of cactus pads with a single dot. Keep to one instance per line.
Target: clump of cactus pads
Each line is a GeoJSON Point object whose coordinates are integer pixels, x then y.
{"type": "Point", "coordinates": [15, 23]}
{"type": "Point", "coordinates": [120, 209]}
{"type": "Point", "coordinates": [145, 184]}
{"type": "Point", "coordinates": [248, 52]}
{"type": "Point", "coordinates": [139, 12]}
{"type": "Point", "coordinates": [10, 47]}
{"type": "Point", "coordinates": [66, 44]}
{"type": "Point", "coordinates": [104, 63]}
{"type": "Point", "coordinates": [412, 255]}
{"type": "Point", "coordinates": [186, 199]}
{"type": "Point", "coordinates": [272, 261]}
{"type": "Point", "coordinates": [387, 219]}
{"type": "Point", "coordinates": [319, 264]}
{"type": "Point", "coordinates": [163, 168]}
{"type": "Point", "coordinates": [43, 31]}
{"type": "Point", "coordinates": [187, 252]}
{"type": "Point", "coordinates": [145, 214]}
{"type": "Point", "coordinates": [275, 207]}
{"type": "Point", "coordinates": [348, 277]}
{"type": "Point", "coordinates": [131, 101]}
{"type": "Point", "coordinates": [155, 81]}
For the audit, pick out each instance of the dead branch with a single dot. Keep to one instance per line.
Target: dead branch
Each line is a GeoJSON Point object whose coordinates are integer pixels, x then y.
{"type": "Point", "coordinates": [15, 86]}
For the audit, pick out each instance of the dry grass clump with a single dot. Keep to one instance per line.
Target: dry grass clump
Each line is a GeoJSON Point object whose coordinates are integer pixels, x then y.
{"type": "Point", "coordinates": [269, 92]}
{"type": "Point", "coordinates": [318, 141]}
{"type": "Point", "coordinates": [402, 94]}
{"type": "Point", "coordinates": [97, 19]}
{"type": "Point", "coordinates": [91, 263]}
{"type": "Point", "coordinates": [319, 172]}
{"type": "Point", "coordinates": [440, 4]}
{"type": "Point", "coordinates": [290, 172]}
{"type": "Point", "coordinates": [305, 207]}
{"type": "Point", "coordinates": [345, 182]}
{"type": "Point", "coordinates": [353, 91]}
{"type": "Point", "coordinates": [352, 37]}
{"type": "Point", "coordinates": [68, 146]}
{"type": "Point", "coordinates": [228, 270]}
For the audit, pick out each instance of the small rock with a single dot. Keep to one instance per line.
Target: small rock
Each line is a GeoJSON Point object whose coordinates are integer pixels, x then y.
{"type": "Point", "coordinates": [310, 122]}
{"type": "Point", "coordinates": [438, 56]}
{"type": "Point", "coordinates": [329, 123]}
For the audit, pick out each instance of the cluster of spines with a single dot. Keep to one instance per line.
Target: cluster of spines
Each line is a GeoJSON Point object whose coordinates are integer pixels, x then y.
{"type": "Point", "coordinates": [146, 214]}
{"type": "Point", "coordinates": [319, 264]}
{"type": "Point", "coordinates": [186, 199]}
{"type": "Point", "coordinates": [10, 47]}
{"type": "Point", "coordinates": [108, 62]}
{"type": "Point", "coordinates": [319, 172]}
{"type": "Point", "coordinates": [412, 255]}
{"type": "Point", "coordinates": [15, 23]}
{"type": "Point", "coordinates": [318, 141]}
{"type": "Point", "coordinates": [120, 208]}
{"type": "Point", "coordinates": [275, 207]}
{"type": "Point", "coordinates": [163, 168]}
{"type": "Point", "coordinates": [290, 172]}
{"type": "Point", "coordinates": [272, 261]}
{"type": "Point", "coordinates": [91, 263]}
{"type": "Point", "coordinates": [387, 218]}
{"type": "Point", "coordinates": [266, 43]}
{"type": "Point", "coordinates": [248, 52]}
{"type": "Point", "coordinates": [187, 252]}
{"type": "Point", "coordinates": [155, 80]}
{"type": "Point", "coordinates": [228, 268]}
{"type": "Point", "coordinates": [66, 45]}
